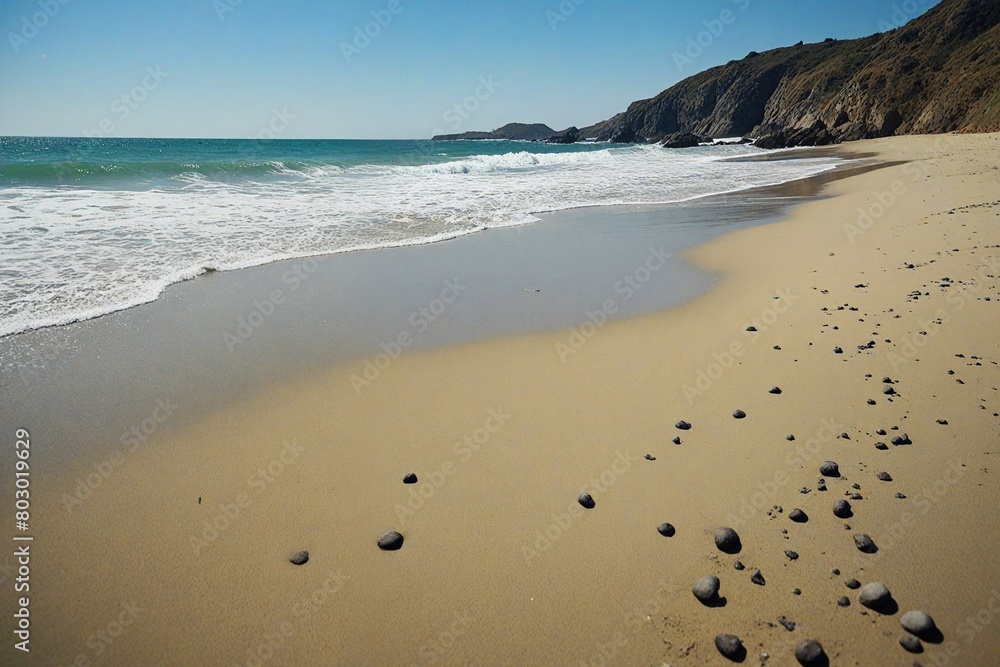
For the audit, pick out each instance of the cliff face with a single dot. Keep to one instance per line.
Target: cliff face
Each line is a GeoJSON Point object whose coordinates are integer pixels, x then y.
{"type": "Point", "coordinates": [938, 73]}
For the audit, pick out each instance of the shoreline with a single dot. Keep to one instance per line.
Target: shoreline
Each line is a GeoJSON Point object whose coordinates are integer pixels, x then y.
{"type": "Point", "coordinates": [504, 434]}
{"type": "Point", "coordinates": [193, 273]}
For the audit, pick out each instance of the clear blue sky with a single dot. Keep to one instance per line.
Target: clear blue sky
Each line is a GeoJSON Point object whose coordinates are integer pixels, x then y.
{"type": "Point", "coordinates": [235, 68]}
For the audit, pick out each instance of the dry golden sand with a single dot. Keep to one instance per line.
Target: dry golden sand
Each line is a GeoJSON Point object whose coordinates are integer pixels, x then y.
{"type": "Point", "coordinates": [501, 566]}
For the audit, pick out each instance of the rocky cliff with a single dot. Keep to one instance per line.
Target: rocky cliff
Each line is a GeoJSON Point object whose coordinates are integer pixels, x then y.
{"type": "Point", "coordinates": [512, 131]}
{"type": "Point", "coordinates": [938, 73]}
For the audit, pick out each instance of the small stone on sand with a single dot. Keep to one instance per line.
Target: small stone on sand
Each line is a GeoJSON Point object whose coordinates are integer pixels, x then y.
{"type": "Point", "coordinates": [829, 469]}
{"type": "Point", "coordinates": [809, 653]}
{"type": "Point", "coordinates": [842, 509]}
{"type": "Point", "coordinates": [739, 414]}
{"type": "Point", "coordinates": [410, 478]}
{"type": "Point", "coordinates": [918, 623]}
{"type": "Point", "coordinates": [798, 516]}
{"type": "Point", "coordinates": [666, 529]}
{"type": "Point", "coordinates": [299, 558]}
{"type": "Point", "coordinates": [757, 577]}
{"type": "Point", "coordinates": [727, 540]}
{"type": "Point", "coordinates": [683, 425]}
{"type": "Point", "coordinates": [843, 601]}
{"type": "Point", "coordinates": [864, 543]}
{"type": "Point", "coordinates": [874, 595]}
{"type": "Point", "coordinates": [586, 500]}
{"type": "Point", "coordinates": [391, 541]}
{"type": "Point", "coordinates": [838, 350]}
{"type": "Point", "coordinates": [853, 584]}
{"type": "Point", "coordinates": [739, 565]}
{"type": "Point", "coordinates": [901, 440]}
{"type": "Point", "coordinates": [650, 457]}
{"type": "Point", "coordinates": [706, 589]}
{"type": "Point", "coordinates": [792, 555]}
{"type": "Point", "coordinates": [885, 477]}
{"type": "Point", "coordinates": [730, 646]}
{"type": "Point", "coordinates": [911, 644]}
{"type": "Point", "coordinates": [774, 390]}
{"type": "Point", "coordinates": [677, 440]}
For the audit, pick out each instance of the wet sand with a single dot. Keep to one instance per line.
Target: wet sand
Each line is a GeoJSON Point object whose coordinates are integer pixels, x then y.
{"type": "Point", "coordinates": [191, 528]}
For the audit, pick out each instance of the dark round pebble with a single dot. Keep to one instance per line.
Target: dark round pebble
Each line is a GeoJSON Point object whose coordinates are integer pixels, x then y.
{"type": "Point", "coordinates": [790, 438]}
{"type": "Point", "coordinates": [650, 457]}
{"type": "Point", "coordinates": [774, 390]}
{"type": "Point", "coordinates": [739, 414]}
{"type": "Point", "coordinates": [809, 653]}
{"type": "Point", "coordinates": [874, 595]}
{"type": "Point", "coordinates": [838, 350]}
{"type": "Point", "coordinates": [677, 440]}
{"type": "Point", "coordinates": [666, 529]}
{"type": "Point", "coordinates": [683, 425]}
{"type": "Point", "coordinates": [391, 541]}
{"type": "Point", "coordinates": [299, 558]}
{"type": "Point", "coordinates": [792, 555]}
{"type": "Point", "coordinates": [885, 477]}
{"type": "Point", "coordinates": [798, 516]}
{"type": "Point", "coordinates": [727, 540]}
{"type": "Point", "coordinates": [410, 478]}
{"type": "Point", "coordinates": [918, 623]}
{"type": "Point", "coordinates": [911, 644]}
{"type": "Point", "coordinates": [842, 509]}
{"type": "Point", "coordinates": [829, 469]}
{"type": "Point", "coordinates": [706, 589]}
{"type": "Point", "coordinates": [853, 584]}
{"type": "Point", "coordinates": [864, 543]}
{"type": "Point", "coordinates": [730, 646]}
{"type": "Point", "coordinates": [739, 565]}
{"type": "Point", "coordinates": [888, 390]}
{"type": "Point", "coordinates": [871, 401]}
{"type": "Point", "coordinates": [843, 601]}
{"type": "Point", "coordinates": [587, 500]}
{"type": "Point", "coordinates": [757, 578]}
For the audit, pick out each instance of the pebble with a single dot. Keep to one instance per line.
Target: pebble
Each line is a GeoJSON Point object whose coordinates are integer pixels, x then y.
{"type": "Point", "coordinates": [299, 558]}
{"type": "Point", "coordinates": [842, 509]}
{"type": "Point", "coordinates": [790, 438]}
{"type": "Point", "coordinates": [774, 390]}
{"type": "Point", "coordinates": [838, 350]}
{"type": "Point", "coordinates": [796, 591]}
{"type": "Point", "coordinates": [855, 496]}
{"type": "Point", "coordinates": [650, 457]}
{"type": "Point", "coordinates": [881, 431]}
{"type": "Point", "coordinates": [864, 543]}
{"type": "Point", "coordinates": [871, 401]}
{"type": "Point", "coordinates": [666, 529]}
{"type": "Point", "coordinates": [809, 653]}
{"type": "Point", "coordinates": [798, 516]}
{"type": "Point", "coordinates": [751, 328]}
{"type": "Point", "coordinates": [853, 584]}
{"type": "Point", "coordinates": [706, 589]}
{"type": "Point", "coordinates": [792, 555]}
{"type": "Point", "coordinates": [835, 572]}
{"type": "Point", "coordinates": [888, 390]}
{"type": "Point", "coordinates": [881, 445]}
{"type": "Point", "coordinates": [739, 565]}
{"type": "Point", "coordinates": [727, 540]}
{"type": "Point", "coordinates": [391, 541]}
{"type": "Point", "coordinates": [901, 496]}
{"type": "Point", "coordinates": [843, 601]}
{"type": "Point", "coordinates": [918, 623]}
{"type": "Point", "coordinates": [677, 440]}
{"type": "Point", "coordinates": [829, 469]}
{"type": "Point", "coordinates": [874, 595]}
{"type": "Point", "coordinates": [901, 440]}
{"type": "Point", "coordinates": [777, 347]}
{"type": "Point", "coordinates": [786, 624]}
{"type": "Point", "coordinates": [943, 422]}
{"type": "Point", "coordinates": [739, 414]}
{"type": "Point", "coordinates": [757, 577]}
{"type": "Point", "coordinates": [911, 644]}
{"type": "Point", "coordinates": [884, 476]}
{"type": "Point", "coordinates": [410, 478]}
{"type": "Point", "coordinates": [586, 500]}
{"type": "Point", "coordinates": [683, 425]}
{"type": "Point", "coordinates": [730, 646]}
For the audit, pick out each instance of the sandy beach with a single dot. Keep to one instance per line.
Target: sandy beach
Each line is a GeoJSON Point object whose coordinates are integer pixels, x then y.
{"type": "Point", "coordinates": [178, 552]}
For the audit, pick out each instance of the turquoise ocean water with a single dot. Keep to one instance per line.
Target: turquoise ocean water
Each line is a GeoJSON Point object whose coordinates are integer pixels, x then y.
{"type": "Point", "coordinates": [90, 226]}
